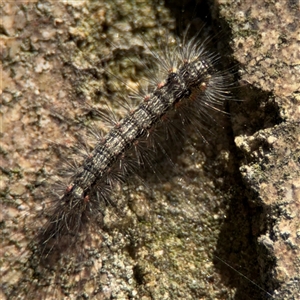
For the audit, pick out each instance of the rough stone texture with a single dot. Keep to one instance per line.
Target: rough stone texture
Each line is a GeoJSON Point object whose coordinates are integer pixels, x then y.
{"type": "Point", "coordinates": [266, 42]}
{"type": "Point", "coordinates": [231, 203]}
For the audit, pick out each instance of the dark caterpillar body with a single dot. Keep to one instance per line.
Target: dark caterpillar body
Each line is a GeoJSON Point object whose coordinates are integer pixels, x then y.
{"type": "Point", "coordinates": [85, 228]}
{"type": "Point", "coordinates": [192, 86]}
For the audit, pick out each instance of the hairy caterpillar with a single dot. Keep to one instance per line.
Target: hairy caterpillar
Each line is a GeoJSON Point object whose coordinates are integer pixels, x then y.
{"type": "Point", "coordinates": [61, 233]}
{"type": "Point", "coordinates": [191, 87]}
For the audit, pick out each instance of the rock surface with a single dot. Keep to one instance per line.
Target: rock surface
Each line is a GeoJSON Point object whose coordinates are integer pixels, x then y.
{"type": "Point", "coordinates": [226, 214]}
{"type": "Point", "coordinates": [265, 41]}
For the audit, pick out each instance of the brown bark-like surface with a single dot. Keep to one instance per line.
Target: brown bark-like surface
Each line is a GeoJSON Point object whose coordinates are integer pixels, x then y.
{"type": "Point", "coordinates": [235, 198]}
